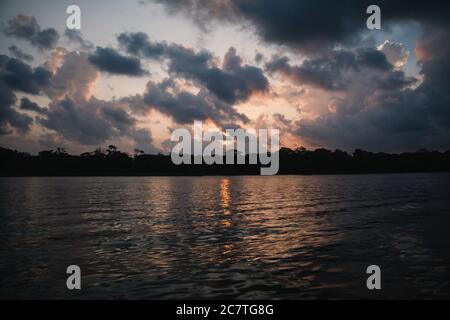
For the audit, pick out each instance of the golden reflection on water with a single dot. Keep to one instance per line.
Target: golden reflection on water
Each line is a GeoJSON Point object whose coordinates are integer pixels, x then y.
{"type": "Point", "coordinates": [227, 249]}
{"type": "Point", "coordinates": [226, 202]}
{"type": "Point", "coordinates": [225, 195]}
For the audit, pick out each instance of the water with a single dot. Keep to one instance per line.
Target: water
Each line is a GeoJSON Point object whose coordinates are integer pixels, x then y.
{"type": "Point", "coordinates": [293, 237]}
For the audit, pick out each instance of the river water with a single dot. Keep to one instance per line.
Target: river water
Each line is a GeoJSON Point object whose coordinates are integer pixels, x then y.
{"type": "Point", "coordinates": [282, 237]}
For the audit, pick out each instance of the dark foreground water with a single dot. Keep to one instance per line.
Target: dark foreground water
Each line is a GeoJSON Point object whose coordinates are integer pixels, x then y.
{"type": "Point", "coordinates": [288, 237]}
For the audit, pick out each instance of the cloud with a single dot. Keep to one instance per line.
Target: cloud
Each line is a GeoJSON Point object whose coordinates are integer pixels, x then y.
{"type": "Point", "coordinates": [259, 57]}
{"type": "Point", "coordinates": [16, 75]}
{"type": "Point", "coordinates": [373, 108]}
{"type": "Point", "coordinates": [434, 50]}
{"type": "Point", "coordinates": [9, 117]}
{"type": "Point", "coordinates": [94, 122]}
{"type": "Point", "coordinates": [19, 76]}
{"type": "Point", "coordinates": [19, 54]}
{"type": "Point", "coordinates": [28, 105]}
{"type": "Point", "coordinates": [365, 98]}
{"type": "Point", "coordinates": [185, 107]}
{"type": "Point", "coordinates": [282, 121]}
{"type": "Point", "coordinates": [392, 122]}
{"type": "Point", "coordinates": [109, 60]}
{"type": "Point", "coordinates": [335, 70]}
{"type": "Point", "coordinates": [301, 24]}
{"type": "Point", "coordinates": [73, 114]}
{"type": "Point", "coordinates": [396, 54]}
{"type": "Point", "coordinates": [139, 44]}
{"type": "Point", "coordinates": [26, 28]}
{"type": "Point", "coordinates": [309, 26]}
{"type": "Point", "coordinates": [81, 121]}
{"type": "Point", "coordinates": [233, 83]}
{"type": "Point", "coordinates": [76, 37]}
{"type": "Point", "coordinates": [388, 115]}
{"type": "Point", "coordinates": [144, 141]}
{"type": "Point", "coordinates": [73, 75]}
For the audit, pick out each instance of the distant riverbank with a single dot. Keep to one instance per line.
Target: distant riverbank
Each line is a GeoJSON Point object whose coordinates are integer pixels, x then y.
{"type": "Point", "coordinates": [112, 162]}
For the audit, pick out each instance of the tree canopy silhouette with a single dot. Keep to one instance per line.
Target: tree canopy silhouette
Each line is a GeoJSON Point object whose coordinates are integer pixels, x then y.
{"type": "Point", "coordinates": [112, 161]}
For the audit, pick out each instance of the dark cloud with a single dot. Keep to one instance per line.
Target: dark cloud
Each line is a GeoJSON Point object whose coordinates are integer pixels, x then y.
{"type": "Point", "coordinates": [28, 105]}
{"type": "Point", "coordinates": [94, 122]}
{"type": "Point", "coordinates": [378, 110]}
{"type": "Point", "coordinates": [16, 75]}
{"type": "Point", "coordinates": [303, 24]}
{"type": "Point", "coordinates": [9, 117]}
{"type": "Point", "coordinates": [308, 25]}
{"type": "Point", "coordinates": [144, 141]}
{"type": "Point", "coordinates": [433, 54]}
{"type": "Point", "coordinates": [396, 121]}
{"type": "Point", "coordinates": [281, 120]}
{"type": "Point", "coordinates": [336, 69]}
{"type": "Point", "coordinates": [138, 43]}
{"type": "Point", "coordinates": [232, 83]}
{"type": "Point", "coordinates": [259, 57]}
{"type": "Point", "coordinates": [27, 28]}
{"type": "Point", "coordinates": [76, 37]}
{"type": "Point", "coordinates": [119, 118]}
{"type": "Point", "coordinates": [19, 54]}
{"type": "Point", "coordinates": [67, 78]}
{"type": "Point", "coordinates": [78, 122]}
{"type": "Point", "coordinates": [90, 122]}
{"type": "Point", "coordinates": [389, 115]}
{"type": "Point", "coordinates": [47, 38]}
{"type": "Point", "coordinates": [17, 120]}
{"type": "Point", "coordinates": [74, 114]}
{"type": "Point", "coordinates": [377, 107]}
{"type": "Point", "coordinates": [372, 103]}
{"type": "Point", "coordinates": [20, 76]}
{"type": "Point", "coordinates": [109, 60]}
{"type": "Point", "coordinates": [185, 107]}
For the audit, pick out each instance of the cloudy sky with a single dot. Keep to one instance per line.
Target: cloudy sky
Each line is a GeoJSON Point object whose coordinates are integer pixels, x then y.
{"type": "Point", "coordinates": [138, 69]}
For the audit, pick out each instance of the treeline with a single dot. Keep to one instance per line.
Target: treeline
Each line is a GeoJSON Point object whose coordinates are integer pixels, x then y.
{"type": "Point", "coordinates": [111, 161]}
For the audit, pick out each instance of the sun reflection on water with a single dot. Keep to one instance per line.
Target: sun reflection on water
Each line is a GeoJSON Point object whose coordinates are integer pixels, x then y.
{"type": "Point", "coordinates": [225, 195]}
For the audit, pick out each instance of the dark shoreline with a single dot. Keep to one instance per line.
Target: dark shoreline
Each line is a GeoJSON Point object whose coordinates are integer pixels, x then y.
{"type": "Point", "coordinates": [112, 162]}
{"type": "Point", "coordinates": [78, 175]}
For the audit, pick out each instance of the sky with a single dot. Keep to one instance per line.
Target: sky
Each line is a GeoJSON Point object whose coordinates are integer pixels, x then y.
{"type": "Point", "coordinates": [136, 70]}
